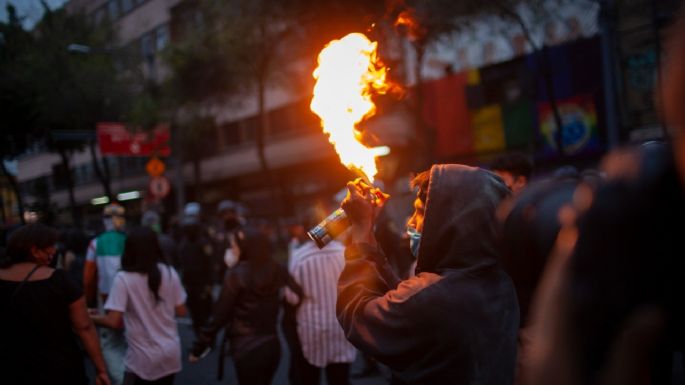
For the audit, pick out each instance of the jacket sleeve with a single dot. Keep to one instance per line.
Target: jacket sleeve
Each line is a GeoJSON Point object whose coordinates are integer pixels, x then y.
{"type": "Point", "coordinates": [222, 312]}
{"type": "Point", "coordinates": [374, 309]}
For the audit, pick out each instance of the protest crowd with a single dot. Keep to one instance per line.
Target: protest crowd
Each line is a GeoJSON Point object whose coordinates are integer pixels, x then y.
{"type": "Point", "coordinates": [498, 276]}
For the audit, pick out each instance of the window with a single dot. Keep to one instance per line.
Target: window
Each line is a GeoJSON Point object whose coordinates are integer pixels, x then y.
{"type": "Point", "coordinates": [231, 134]}
{"type": "Point", "coordinates": [59, 177]}
{"type": "Point", "coordinates": [113, 7]}
{"type": "Point", "coordinates": [250, 127]}
{"type": "Point", "coordinates": [83, 174]}
{"type": "Point", "coordinates": [146, 47]}
{"type": "Point", "coordinates": [282, 124]}
{"type": "Point", "coordinates": [126, 5]}
{"type": "Point", "coordinates": [162, 37]}
{"type": "Point", "coordinates": [100, 15]}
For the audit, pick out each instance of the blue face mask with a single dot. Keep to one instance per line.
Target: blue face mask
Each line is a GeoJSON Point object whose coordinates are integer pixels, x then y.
{"type": "Point", "coordinates": [414, 241]}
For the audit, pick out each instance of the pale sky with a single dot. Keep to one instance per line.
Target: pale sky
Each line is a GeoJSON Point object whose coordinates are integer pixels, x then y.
{"type": "Point", "coordinates": [30, 10]}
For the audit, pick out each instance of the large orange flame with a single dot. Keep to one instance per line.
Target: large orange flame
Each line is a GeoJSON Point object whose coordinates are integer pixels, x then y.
{"type": "Point", "coordinates": [349, 73]}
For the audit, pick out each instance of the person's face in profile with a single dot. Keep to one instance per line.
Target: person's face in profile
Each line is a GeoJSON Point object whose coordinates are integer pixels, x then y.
{"type": "Point", "coordinates": [416, 220]}
{"type": "Point", "coordinates": [515, 183]}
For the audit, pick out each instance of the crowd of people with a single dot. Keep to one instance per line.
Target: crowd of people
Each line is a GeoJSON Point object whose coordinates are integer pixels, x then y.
{"type": "Point", "coordinates": [490, 276]}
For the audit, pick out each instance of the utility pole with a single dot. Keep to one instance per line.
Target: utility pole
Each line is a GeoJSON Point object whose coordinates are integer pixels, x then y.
{"type": "Point", "coordinates": [607, 18]}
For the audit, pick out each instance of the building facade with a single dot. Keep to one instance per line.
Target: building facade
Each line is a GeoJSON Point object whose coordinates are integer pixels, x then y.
{"type": "Point", "coordinates": [469, 119]}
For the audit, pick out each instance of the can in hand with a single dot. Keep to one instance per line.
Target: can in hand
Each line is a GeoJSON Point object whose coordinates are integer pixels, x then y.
{"type": "Point", "coordinates": [329, 228]}
{"type": "Point", "coordinates": [336, 223]}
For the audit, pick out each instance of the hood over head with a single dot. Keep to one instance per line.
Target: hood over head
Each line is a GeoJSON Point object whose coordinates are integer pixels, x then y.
{"type": "Point", "coordinates": [460, 228]}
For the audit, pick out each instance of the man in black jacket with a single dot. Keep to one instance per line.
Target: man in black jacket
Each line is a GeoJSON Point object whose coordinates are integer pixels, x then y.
{"type": "Point", "coordinates": [456, 321]}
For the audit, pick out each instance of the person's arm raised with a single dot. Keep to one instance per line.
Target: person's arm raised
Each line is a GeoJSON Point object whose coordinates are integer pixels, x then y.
{"type": "Point", "coordinates": [359, 207]}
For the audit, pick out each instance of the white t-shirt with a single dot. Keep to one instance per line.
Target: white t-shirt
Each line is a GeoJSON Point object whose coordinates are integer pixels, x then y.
{"type": "Point", "coordinates": [154, 346]}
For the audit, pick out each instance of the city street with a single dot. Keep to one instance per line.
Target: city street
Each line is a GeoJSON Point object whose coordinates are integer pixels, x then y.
{"type": "Point", "coordinates": [204, 372]}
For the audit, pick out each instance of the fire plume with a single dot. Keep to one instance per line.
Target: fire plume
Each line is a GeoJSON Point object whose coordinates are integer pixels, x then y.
{"type": "Point", "coordinates": [349, 73]}
{"type": "Point", "coordinates": [408, 20]}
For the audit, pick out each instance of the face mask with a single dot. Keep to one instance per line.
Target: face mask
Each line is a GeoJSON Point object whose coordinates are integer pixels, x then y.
{"type": "Point", "coordinates": [114, 223]}
{"type": "Point", "coordinates": [414, 241]}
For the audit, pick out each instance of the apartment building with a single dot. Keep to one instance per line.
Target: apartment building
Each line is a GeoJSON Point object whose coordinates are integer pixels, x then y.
{"type": "Point", "coordinates": [474, 82]}
{"type": "Point", "coordinates": [303, 162]}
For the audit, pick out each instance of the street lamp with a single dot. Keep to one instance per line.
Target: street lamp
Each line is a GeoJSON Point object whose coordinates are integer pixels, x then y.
{"type": "Point", "coordinates": [87, 50]}
{"type": "Point", "coordinates": [78, 48]}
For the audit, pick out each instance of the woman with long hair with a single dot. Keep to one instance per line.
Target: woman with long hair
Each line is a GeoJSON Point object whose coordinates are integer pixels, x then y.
{"type": "Point", "coordinates": [42, 313]}
{"type": "Point", "coordinates": [248, 305]}
{"type": "Point", "coordinates": [145, 296]}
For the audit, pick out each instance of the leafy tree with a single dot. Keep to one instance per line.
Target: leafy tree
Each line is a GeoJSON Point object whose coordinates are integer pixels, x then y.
{"type": "Point", "coordinates": [58, 93]}
{"type": "Point", "coordinates": [15, 95]}
{"type": "Point", "coordinates": [235, 48]}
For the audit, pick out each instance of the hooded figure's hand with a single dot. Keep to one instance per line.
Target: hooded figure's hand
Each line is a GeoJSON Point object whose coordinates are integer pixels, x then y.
{"type": "Point", "coordinates": [360, 208]}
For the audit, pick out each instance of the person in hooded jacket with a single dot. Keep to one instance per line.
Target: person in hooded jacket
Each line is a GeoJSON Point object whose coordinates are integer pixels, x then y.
{"type": "Point", "coordinates": [456, 321]}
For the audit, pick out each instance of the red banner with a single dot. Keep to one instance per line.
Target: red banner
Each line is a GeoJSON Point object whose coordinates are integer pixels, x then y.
{"type": "Point", "coordinates": [116, 139]}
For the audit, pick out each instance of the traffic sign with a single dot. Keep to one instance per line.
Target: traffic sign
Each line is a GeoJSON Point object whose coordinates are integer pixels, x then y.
{"type": "Point", "coordinates": [155, 167]}
{"type": "Point", "coordinates": [117, 139]}
{"type": "Point", "coordinates": [159, 187]}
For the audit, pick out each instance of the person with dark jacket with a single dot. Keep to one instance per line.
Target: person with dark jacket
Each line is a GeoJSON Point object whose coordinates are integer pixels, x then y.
{"type": "Point", "coordinates": [612, 305]}
{"type": "Point", "coordinates": [196, 265]}
{"type": "Point", "coordinates": [248, 305]}
{"type": "Point", "coordinates": [456, 321]}
{"type": "Point", "coordinates": [530, 231]}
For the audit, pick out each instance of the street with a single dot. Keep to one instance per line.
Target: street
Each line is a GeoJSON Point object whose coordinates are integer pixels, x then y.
{"type": "Point", "coordinates": [204, 372]}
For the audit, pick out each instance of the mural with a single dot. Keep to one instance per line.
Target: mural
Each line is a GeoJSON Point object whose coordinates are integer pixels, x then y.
{"type": "Point", "coordinates": [579, 126]}
{"type": "Point", "coordinates": [506, 106]}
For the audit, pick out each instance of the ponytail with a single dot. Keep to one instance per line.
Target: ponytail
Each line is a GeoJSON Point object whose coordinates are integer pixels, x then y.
{"type": "Point", "coordinates": [154, 280]}
{"type": "Point", "coordinates": [142, 253]}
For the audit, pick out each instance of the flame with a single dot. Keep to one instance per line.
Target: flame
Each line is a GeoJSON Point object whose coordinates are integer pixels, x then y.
{"type": "Point", "coordinates": [407, 19]}
{"type": "Point", "coordinates": [349, 72]}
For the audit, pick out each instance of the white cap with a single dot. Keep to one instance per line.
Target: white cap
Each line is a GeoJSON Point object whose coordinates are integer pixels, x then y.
{"type": "Point", "coordinates": [192, 209]}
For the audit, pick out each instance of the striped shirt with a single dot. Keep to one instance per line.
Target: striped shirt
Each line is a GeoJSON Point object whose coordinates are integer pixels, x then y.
{"type": "Point", "coordinates": [317, 271]}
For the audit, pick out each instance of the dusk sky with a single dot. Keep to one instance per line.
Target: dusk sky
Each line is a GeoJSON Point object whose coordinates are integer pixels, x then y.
{"type": "Point", "coordinates": [30, 10]}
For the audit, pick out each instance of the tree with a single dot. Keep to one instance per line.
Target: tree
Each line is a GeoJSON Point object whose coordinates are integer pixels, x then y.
{"type": "Point", "coordinates": [56, 93]}
{"type": "Point", "coordinates": [243, 47]}
{"type": "Point", "coordinates": [15, 95]}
